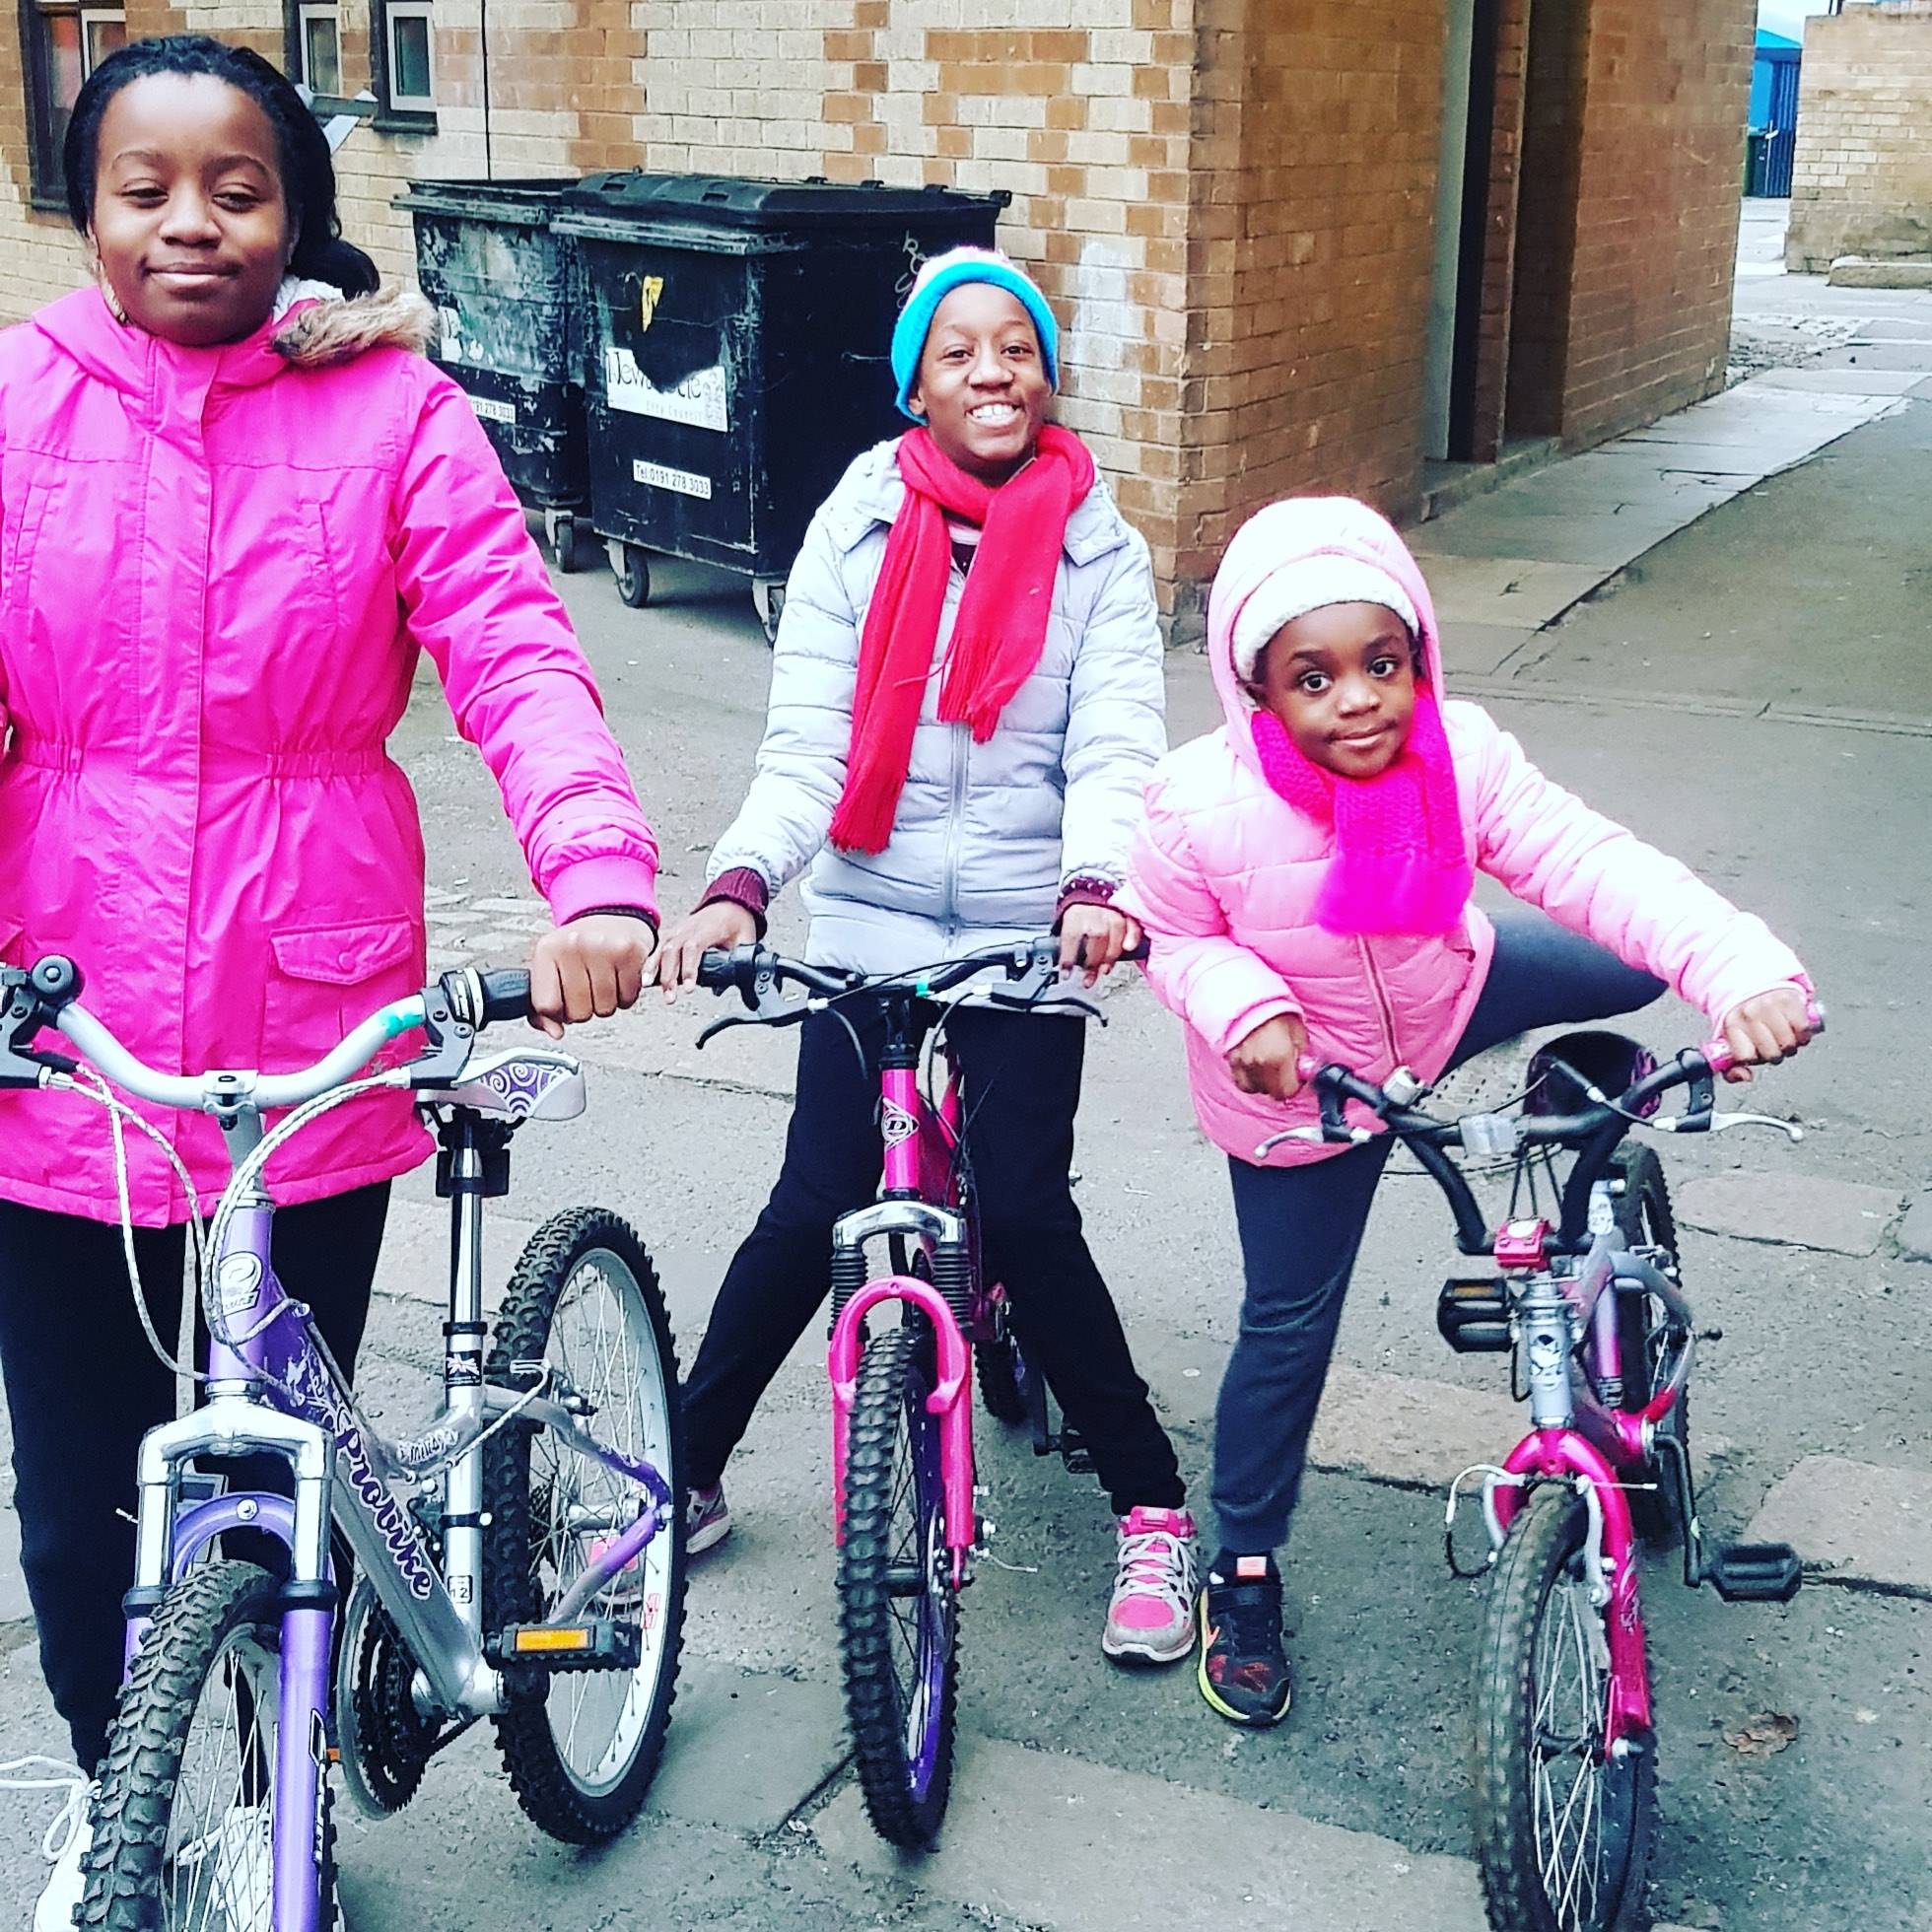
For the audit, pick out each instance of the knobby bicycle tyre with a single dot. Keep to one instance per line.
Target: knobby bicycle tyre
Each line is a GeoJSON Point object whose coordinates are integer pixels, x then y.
{"type": "Point", "coordinates": [1644, 1221]}
{"type": "Point", "coordinates": [1001, 1394]}
{"type": "Point", "coordinates": [523, 1549]}
{"type": "Point", "coordinates": [127, 1863]}
{"type": "Point", "coordinates": [894, 1554]}
{"type": "Point", "coordinates": [1533, 1619]}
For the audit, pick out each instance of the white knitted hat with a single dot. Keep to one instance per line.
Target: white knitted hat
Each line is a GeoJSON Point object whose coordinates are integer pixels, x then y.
{"type": "Point", "coordinates": [1311, 584]}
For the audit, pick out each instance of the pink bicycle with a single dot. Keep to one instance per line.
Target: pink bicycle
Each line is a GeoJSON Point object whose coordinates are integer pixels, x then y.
{"type": "Point", "coordinates": [902, 1410]}
{"type": "Point", "coordinates": [1591, 1306]}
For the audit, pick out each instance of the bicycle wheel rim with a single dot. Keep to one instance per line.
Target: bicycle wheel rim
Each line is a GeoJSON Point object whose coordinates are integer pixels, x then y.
{"type": "Point", "coordinates": [210, 1867]}
{"type": "Point", "coordinates": [601, 1337]}
{"type": "Point", "coordinates": [1583, 1800]}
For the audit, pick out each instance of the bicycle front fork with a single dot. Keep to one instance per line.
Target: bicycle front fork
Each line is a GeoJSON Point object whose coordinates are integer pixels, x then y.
{"type": "Point", "coordinates": [853, 1298]}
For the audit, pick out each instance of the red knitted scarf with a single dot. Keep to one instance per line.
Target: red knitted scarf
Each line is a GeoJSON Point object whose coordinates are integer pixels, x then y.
{"type": "Point", "coordinates": [1002, 625]}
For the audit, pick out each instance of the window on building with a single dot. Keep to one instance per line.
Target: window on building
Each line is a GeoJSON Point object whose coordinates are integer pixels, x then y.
{"type": "Point", "coordinates": [405, 38]}
{"type": "Point", "coordinates": [317, 60]}
{"type": "Point", "coordinates": [63, 43]}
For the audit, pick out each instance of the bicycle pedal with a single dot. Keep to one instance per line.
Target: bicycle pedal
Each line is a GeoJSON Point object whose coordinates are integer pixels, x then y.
{"type": "Point", "coordinates": [1472, 1314]}
{"type": "Point", "coordinates": [1755, 1573]}
{"type": "Point", "coordinates": [1074, 1453]}
{"type": "Point", "coordinates": [597, 1643]}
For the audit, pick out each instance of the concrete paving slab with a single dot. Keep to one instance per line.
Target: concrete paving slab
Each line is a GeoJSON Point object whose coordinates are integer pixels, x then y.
{"type": "Point", "coordinates": [1854, 1522]}
{"type": "Point", "coordinates": [1060, 1843]}
{"type": "Point", "coordinates": [1799, 1210]}
{"type": "Point", "coordinates": [1480, 649]}
{"type": "Point", "coordinates": [1405, 1429]}
{"type": "Point", "coordinates": [745, 1749]}
{"type": "Point", "coordinates": [1515, 591]}
{"type": "Point", "coordinates": [1850, 382]}
{"type": "Point", "coordinates": [12, 1586]}
{"type": "Point", "coordinates": [1915, 1230]}
{"type": "Point", "coordinates": [1588, 536]}
{"type": "Point", "coordinates": [415, 1262]}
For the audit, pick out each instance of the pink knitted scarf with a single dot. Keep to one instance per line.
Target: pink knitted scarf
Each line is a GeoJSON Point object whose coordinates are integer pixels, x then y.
{"type": "Point", "coordinates": [1401, 864]}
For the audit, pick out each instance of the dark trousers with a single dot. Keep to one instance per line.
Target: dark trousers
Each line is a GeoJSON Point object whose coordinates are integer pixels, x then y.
{"type": "Point", "coordinates": [1021, 1084]}
{"type": "Point", "coordinates": [1301, 1228]}
{"type": "Point", "coordinates": [83, 1387]}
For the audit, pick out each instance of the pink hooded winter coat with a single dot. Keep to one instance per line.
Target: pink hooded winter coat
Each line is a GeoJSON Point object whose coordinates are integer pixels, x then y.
{"type": "Point", "coordinates": [217, 567]}
{"type": "Point", "coordinates": [1225, 874]}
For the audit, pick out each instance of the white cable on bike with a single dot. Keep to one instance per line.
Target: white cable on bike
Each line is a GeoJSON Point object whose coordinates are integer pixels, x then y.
{"type": "Point", "coordinates": [88, 1084]}
{"type": "Point", "coordinates": [58, 1777]}
{"type": "Point", "coordinates": [249, 1171]}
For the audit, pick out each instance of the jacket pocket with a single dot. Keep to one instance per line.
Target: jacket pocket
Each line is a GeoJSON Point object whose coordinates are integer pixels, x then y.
{"type": "Point", "coordinates": [344, 955]}
{"type": "Point", "coordinates": [21, 543]}
{"type": "Point", "coordinates": [326, 980]}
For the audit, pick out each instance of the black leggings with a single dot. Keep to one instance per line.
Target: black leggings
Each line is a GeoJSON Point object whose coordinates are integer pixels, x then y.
{"type": "Point", "coordinates": [1022, 1075]}
{"type": "Point", "coordinates": [83, 1387]}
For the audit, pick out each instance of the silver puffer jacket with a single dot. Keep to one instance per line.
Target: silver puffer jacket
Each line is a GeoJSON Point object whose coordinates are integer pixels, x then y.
{"type": "Point", "coordinates": [987, 835]}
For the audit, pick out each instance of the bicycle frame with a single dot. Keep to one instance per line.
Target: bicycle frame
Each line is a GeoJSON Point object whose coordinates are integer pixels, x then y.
{"type": "Point", "coordinates": [1575, 1438]}
{"type": "Point", "coordinates": [921, 1201]}
{"type": "Point", "coordinates": [276, 1391]}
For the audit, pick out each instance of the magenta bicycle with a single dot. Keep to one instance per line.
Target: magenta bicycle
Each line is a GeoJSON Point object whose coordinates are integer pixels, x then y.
{"type": "Point", "coordinates": [1588, 1299]}
{"type": "Point", "coordinates": [902, 1410]}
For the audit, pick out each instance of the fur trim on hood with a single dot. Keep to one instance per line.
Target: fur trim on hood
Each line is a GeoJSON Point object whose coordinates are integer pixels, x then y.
{"type": "Point", "coordinates": [320, 326]}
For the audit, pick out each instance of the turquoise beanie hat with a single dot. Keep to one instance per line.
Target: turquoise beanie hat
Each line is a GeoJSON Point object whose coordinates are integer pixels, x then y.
{"type": "Point", "coordinates": [936, 280]}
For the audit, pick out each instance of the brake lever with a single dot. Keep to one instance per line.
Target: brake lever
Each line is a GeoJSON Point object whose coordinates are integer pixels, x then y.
{"type": "Point", "coordinates": [790, 1015]}
{"type": "Point", "coordinates": [1043, 1002]}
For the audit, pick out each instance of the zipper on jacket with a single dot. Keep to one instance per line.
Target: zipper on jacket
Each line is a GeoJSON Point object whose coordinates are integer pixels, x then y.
{"type": "Point", "coordinates": [1382, 1006]}
{"type": "Point", "coordinates": [955, 813]}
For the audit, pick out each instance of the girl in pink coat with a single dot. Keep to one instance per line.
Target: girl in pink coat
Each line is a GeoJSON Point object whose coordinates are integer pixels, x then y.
{"type": "Point", "coordinates": [235, 504]}
{"type": "Point", "coordinates": [1304, 876]}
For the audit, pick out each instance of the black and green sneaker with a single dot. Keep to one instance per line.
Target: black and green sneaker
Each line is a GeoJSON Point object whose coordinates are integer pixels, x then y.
{"type": "Point", "coordinates": [1244, 1672]}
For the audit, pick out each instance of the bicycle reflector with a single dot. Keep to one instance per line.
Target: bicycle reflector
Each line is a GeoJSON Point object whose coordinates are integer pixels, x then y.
{"type": "Point", "coordinates": [597, 1643]}
{"type": "Point", "coordinates": [1563, 1070]}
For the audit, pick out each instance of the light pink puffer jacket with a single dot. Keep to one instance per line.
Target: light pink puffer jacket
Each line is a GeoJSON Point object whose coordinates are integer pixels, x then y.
{"type": "Point", "coordinates": [217, 570]}
{"type": "Point", "coordinates": [1225, 874]}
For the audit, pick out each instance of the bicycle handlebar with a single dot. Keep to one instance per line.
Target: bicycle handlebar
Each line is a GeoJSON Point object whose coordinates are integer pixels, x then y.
{"type": "Point", "coordinates": [449, 1011]}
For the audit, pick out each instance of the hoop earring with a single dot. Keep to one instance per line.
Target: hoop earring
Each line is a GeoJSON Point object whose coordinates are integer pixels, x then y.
{"type": "Point", "coordinates": [107, 289]}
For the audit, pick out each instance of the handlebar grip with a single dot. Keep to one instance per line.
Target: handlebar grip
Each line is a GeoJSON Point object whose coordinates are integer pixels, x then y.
{"type": "Point", "coordinates": [506, 995]}
{"type": "Point", "coordinates": [1717, 1053]}
{"type": "Point", "coordinates": [717, 970]}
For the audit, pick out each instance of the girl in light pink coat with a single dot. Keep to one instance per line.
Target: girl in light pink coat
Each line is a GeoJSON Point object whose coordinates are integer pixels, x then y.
{"type": "Point", "coordinates": [1304, 878]}
{"type": "Point", "coordinates": [234, 507]}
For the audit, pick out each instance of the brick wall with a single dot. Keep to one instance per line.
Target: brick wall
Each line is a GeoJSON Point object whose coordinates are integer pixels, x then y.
{"type": "Point", "coordinates": [1861, 179]}
{"type": "Point", "coordinates": [1660, 166]}
{"type": "Point", "coordinates": [1309, 249]}
{"type": "Point", "coordinates": [1229, 202]}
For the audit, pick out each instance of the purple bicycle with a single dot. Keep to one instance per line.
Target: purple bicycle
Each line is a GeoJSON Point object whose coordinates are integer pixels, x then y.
{"type": "Point", "coordinates": [520, 1558]}
{"type": "Point", "coordinates": [1587, 1298]}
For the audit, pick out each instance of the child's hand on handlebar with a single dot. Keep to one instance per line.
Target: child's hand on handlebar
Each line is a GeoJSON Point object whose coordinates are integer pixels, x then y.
{"type": "Point", "coordinates": [719, 926]}
{"type": "Point", "coordinates": [1095, 937]}
{"type": "Point", "coordinates": [1767, 1029]}
{"type": "Point", "coordinates": [1268, 1060]}
{"type": "Point", "coordinates": [589, 969]}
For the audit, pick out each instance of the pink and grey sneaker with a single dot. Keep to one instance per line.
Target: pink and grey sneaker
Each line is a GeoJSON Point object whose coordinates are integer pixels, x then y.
{"type": "Point", "coordinates": [1150, 1620]}
{"type": "Point", "coordinates": [706, 1519]}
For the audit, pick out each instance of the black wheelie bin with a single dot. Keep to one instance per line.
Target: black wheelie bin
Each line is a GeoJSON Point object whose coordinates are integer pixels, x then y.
{"type": "Point", "coordinates": [735, 354]}
{"type": "Point", "coordinates": [504, 285]}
